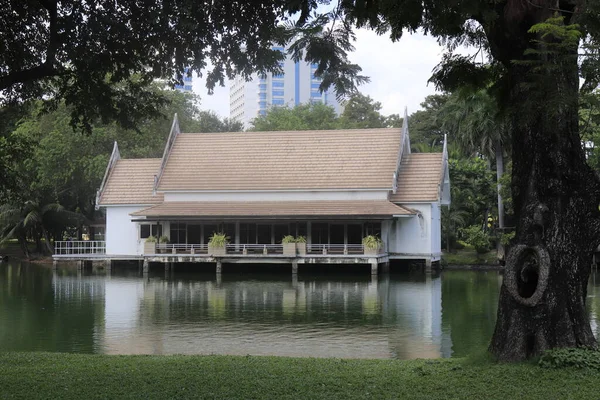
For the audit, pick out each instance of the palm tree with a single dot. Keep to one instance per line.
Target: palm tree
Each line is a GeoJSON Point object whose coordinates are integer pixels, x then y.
{"type": "Point", "coordinates": [33, 220]}
{"type": "Point", "coordinates": [479, 127]}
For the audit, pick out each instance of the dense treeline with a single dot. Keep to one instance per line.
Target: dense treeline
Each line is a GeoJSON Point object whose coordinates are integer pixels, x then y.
{"type": "Point", "coordinates": [51, 172]}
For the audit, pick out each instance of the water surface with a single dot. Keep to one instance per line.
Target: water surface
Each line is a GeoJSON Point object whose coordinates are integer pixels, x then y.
{"type": "Point", "coordinates": [449, 314]}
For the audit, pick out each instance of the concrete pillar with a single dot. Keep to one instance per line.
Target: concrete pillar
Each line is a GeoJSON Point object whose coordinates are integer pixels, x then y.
{"type": "Point", "coordinates": [428, 265]}
{"type": "Point", "coordinates": [374, 266]}
{"type": "Point", "coordinates": [294, 267]}
{"type": "Point", "coordinates": [219, 267]}
{"type": "Point", "coordinates": [146, 266]}
{"type": "Point", "coordinates": [80, 265]}
{"type": "Point", "coordinates": [237, 236]}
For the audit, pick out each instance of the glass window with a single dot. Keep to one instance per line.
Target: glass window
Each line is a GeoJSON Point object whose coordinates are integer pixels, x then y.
{"type": "Point", "coordinates": [315, 94]}
{"type": "Point", "coordinates": [248, 233]}
{"type": "Point", "coordinates": [281, 230]}
{"type": "Point", "coordinates": [278, 84]}
{"type": "Point", "coordinates": [264, 233]}
{"type": "Point", "coordinates": [262, 96]}
{"type": "Point", "coordinates": [146, 230]}
{"type": "Point", "coordinates": [373, 228]}
{"type": "Point", "coordinates": [277, 93]}
{"type": "Point", "coordinates": [262, 112]}
{"type": "Point", "coordinates": [355, 234]}
{"type": "Point", "coordinates": [278, 76]}
{"type": "Point", "coordinates": [262, 104]}
{"type": "Point", "coordinates": [278, 102]}
{"type": "Point", "coordinates": [315, 85]}
{"type": "Point", "coordinates": [319, 233]}
{"type": "Point", "coordinates": [262, 86]}
{"type": "Point", "coordinates": [187, 87]}
{"type": "Point", "coordinates": [178, 232]}
{"type": "Point", "coordinates": [336, 232]}
{"type": "Point", "coordinates": [209, 230]}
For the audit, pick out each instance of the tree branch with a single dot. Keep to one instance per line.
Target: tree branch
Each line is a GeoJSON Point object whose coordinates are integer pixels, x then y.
{"type": "Point", "coordinates": [26, 75]}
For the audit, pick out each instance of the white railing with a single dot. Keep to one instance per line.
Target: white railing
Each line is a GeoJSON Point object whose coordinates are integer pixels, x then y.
{"type": "Point", "coordinates": [174, 248]}
{"type": "Point", "coordinates": [344, 249]}
{"type": "Point", "coordinates": [75, 247]}
{"type": "Point", "coordinates": [254, 249]}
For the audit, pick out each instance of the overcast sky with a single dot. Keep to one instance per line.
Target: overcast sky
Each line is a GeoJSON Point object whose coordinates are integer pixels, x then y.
{"type": "Point", "coordinates": [398, 71]}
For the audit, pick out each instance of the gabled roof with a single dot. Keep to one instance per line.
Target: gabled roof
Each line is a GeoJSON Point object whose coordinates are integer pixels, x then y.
{"type": "Point", "coordinates": [131, 182]}
{"type": "Point", "coordinates": [419, 178]}
{"type": "Point", "coordinates": [267, 209]}
{"type": "Point", "coordinates": [336, 159]}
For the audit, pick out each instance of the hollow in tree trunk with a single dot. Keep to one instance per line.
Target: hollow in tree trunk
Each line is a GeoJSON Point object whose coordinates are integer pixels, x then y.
{"type": "Point", "coordinates": [556, 196]}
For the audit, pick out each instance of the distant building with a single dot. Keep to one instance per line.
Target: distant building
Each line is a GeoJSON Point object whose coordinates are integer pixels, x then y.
{"type": "Point", "coordinates": [296, 85]}
{"type": "Point", "coordinates": [187, 83]}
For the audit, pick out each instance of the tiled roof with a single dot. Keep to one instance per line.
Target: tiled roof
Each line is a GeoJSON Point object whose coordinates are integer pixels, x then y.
{"type": "Point", "coordinates": [131, 182]}
{"type": "Point", "coordinates": [267, 209]}
{"type": "Point", "coordinates": [419, 178]}
{"type": "Point", "coordinates": [339, 159]}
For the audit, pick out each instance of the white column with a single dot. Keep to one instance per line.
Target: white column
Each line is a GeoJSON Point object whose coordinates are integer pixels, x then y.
{"type": "Point", "coordinates": [308, 235]}
{"type": "Point", "coordinates": [237, 236]}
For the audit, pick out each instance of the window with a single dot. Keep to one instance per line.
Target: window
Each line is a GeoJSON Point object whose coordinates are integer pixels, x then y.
{"type": "Point", "coordinates": [278, 76]}
{"type": "Point", "coordinates": [145, 230]}
{"type": "Point", "coordinates": [248, 233]}
{"type": "Point", "coordinates": [262, 96]}
{"type": "Point", "coordinates": [315, 85]}
{"type": "Point", "coordinates": [262, 86]}
{"type": "Point", "coordinates": [277, 102]}
{"type": "Point", "coordinates": [187, 87]}
{"type": "Point", "coordinates": [277, 84]}
{"type": "Point", "coordinates": [178, 232]}
{"type": "Point", "coordinates": [314, 65]}
{"type": "Point", "coordinates": [319, 233]}
{"type": "Point", "coordinates": [262, 104]}
{"type": "Point", "coordinates": [315, 94]}
{"type": "Point", "coordinates": [373, 228]}
{"type": "Point", "coordinates": [277, 93]}
{"type": "Point", "coordinates": [262, 77]}
{"type": "Point", "coordinates": [262, 112]}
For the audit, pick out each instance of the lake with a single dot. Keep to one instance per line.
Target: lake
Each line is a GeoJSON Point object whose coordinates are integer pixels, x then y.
{"type": "Point", "coordinates": [416, 315]}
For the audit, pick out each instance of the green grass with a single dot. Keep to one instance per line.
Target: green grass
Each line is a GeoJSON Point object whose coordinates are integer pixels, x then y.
{"type": "Point", "coordinates": [71, 376]}
{"type": "Point", "coordinates": [468, 256]}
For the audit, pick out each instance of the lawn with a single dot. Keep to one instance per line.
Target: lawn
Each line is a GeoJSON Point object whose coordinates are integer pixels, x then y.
{"type": "Point", "coordinates": [71, 376]}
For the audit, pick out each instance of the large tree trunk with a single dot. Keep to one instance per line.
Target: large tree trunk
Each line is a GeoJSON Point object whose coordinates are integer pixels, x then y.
{"type": "Point", "coordinates": [556, 195]}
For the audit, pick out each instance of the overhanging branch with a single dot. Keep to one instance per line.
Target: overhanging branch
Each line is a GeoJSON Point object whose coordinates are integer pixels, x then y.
{"type": "Point", "coordinates": [27, 75]}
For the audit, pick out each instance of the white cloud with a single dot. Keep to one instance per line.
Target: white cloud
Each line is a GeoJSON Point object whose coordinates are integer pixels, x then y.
{"type": "Point", "coordinates": [398, 71]}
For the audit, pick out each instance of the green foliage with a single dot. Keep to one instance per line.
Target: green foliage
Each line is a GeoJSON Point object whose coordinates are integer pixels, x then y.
{"type": "Point", "coordinates": [372, 242]}
{"type": "Point", "coordinates": [580, 357]}
{"type": "Point", "coordinates": [288, 239]}
{"type": "Point", "coordinates": [476, 237]}
{"type": "Point", "coordinates": [163, 239]}
{"type": "Point", "coordinates": [506, 238]}
{"type": "Point", "coordinates": [360, 112]}
{"type": "Point", "coordinates": [151, 239]}
{"type": "Point", "coordinates": [300, 239]}
{"type": "Point", "coordinates": [426, 129]}
{"type": "Point", "coordinates": [218, 239]}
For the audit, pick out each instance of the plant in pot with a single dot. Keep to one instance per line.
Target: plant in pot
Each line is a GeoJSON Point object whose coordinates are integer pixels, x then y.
{"type": "Point", "coordinates": [301, 245]}
{"type": "Point", "coordinates": [372, 244]}
{"type": "Point", "coordinates": [162, 243]}
{"type": "Point", "coordinates": [150, 245]}
{"type": "Point", "coordinates": [289, 246]}
{"type": "Point", "coordinates": [217, 244]}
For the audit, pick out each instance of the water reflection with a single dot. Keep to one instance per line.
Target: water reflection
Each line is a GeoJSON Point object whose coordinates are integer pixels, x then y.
{"type": "Point", "coordinates": [400, 316]}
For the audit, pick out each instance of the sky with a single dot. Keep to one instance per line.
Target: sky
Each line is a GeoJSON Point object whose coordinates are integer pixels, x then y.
{"type": "Point", "coordinates": [398, 71]}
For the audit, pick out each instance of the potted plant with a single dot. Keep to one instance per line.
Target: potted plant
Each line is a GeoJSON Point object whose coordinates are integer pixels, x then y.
{"type": "Point", "coordinates": [289, 246]}
{"type": "Point", "coordinates": [301, 245]}
{"type": "Point", "coordinates": [162, 243]}
{"type": "Point", "coordinates": [150, 245]}
{"type": "Point", "coordinates": [372, 244]}
{"type": "Point", "coordinates": [217, 244]}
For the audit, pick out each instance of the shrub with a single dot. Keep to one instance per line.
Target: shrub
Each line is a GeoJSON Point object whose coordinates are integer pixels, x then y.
{"type": "Point", "coordinates": [218, 239]}
{"type": "Point", "coordinates": [372, 242]}
{"type": "Point", "coordinates": [505, 238]}
{"type": "Point", "coordinates": [581, 357]}
{"type": "Point", "coordinates": [164, 239]}
{"type": "Point", "coordinates": [288, 239]}
{"type": "Point", "coordinates": [300, 239]}
{"type": "Point", "coordinates": [151, 239]}
{"type": "Point", "coordinates": [477, 238]}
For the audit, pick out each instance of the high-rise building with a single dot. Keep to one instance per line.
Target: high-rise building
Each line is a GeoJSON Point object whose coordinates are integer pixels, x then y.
{"type": "Point", "coordinates": [187, 83]}
{"type": "Point", "coordinates": [296, 85]}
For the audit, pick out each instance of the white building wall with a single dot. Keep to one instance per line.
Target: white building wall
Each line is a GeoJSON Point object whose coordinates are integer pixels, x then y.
{"type": "Point", "coordinates": [278, 196]}
{"type": "Point", "coordinates": [414, 236]}
{"type": "Point", "coordinates": [436, 229]}
{"type": "Point", "coordinates": [122, 236]}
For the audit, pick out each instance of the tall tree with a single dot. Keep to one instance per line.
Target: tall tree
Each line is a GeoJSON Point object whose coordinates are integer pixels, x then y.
{"type": "Point", "coordinates": [361, 111]}
{"type": "Point", "coordinates": [302, 117]}
{"type": "Point", "coordinates": [477, 125]}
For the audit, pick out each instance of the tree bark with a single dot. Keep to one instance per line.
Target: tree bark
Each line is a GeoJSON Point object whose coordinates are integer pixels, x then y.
{"type": "Point", "coordinates": [556, 196]}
